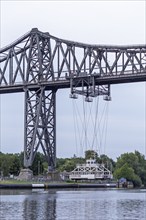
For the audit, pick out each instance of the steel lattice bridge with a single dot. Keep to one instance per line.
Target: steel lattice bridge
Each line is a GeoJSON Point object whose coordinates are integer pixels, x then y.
{"type": "Point", "coordinates": [39, 64]}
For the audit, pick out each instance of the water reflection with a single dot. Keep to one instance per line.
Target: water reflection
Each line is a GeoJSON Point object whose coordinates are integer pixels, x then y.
{"type": "Point", "coordinates": [28, 205]}
{"type": "Point", "coordinates": [42, 204]}
{"type": "Point", "coordinates": [73, 205]}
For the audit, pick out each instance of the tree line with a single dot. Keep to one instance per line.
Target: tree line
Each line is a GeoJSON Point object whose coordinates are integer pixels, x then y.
{"type": "Point", "coordinates": [131, 166]}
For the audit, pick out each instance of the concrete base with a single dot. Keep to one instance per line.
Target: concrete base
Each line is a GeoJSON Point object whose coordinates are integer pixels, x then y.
{"type": "Point", "coordinates": [25, 174]}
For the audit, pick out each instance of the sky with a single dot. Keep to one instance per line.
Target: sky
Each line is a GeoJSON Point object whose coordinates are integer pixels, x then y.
{"type": "Point", "coordinates": [93, 22]}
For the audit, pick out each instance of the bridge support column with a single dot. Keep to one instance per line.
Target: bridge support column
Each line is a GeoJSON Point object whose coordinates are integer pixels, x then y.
{"type": "Point", "coordinates": [40, 125]}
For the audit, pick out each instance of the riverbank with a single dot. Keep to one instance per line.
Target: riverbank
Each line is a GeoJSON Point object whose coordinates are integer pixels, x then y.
{"type": "Point", "coordinates": [54, 185]}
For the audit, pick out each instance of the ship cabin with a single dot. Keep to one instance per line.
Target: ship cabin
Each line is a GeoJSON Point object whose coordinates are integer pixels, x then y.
{"type": "Point", "coordinates": [90, 171]}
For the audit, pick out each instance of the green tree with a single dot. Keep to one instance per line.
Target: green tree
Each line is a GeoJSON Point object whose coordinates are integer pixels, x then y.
{"type": "Point", "coordinates": [128, 173]}
{"type": "Point", "coordinates": [37, 166]}
{"type": "Point", "coordinates": [69, 164]}
{"type": "Point", "coordinates": [4, 164]}
{"type": "Point", "coordinates": [91, 154]}
{"type": "Point", "coordinates": [108, 162]}
{"type": "Point", "coordinates": [137, 162]}
{"type": "Point", "coordinates": [124, 171]}
{"type": "Point", "coordinates": [130, 158]}
{"type": "Point", "coordinates": [141, 168]}
{"type": "Point", "coordinates": [21, 158]}
{"type": "Point", "coordinates": [9, 164]}
{"type": "Point", "coordinates": [59, 163]}
{"type": "Point", "coordinates": [14, 164]}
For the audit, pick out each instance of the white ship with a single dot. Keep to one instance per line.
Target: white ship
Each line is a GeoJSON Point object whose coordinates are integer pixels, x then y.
{"type": "Point", "coordinates": [90, 171]}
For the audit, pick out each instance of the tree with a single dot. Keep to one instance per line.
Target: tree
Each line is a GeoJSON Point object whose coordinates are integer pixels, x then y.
{"type": "Point", "coordinates": [91, 154]}
{"type": "Point", "coordinates": [59, 163]}
{"type": "Point", "coordinates": [37, 166]}
{"type": "Point", "coordinates": [128, 173]}
{"type": "Point", "coordinates": [9, 164]}
{"type": "Point", "coordinates": [130, 158]}
{"type": "Point", "coordinates": [68, 164]}
{"type": "Point", "coordinates": [108, 162]}
{"type": "Point", "coordinates": [141, 169]}
{"type": "Point", "coordinates": [14, 165]}
{"type": "Point", "coordinates": [124, 171]}
{"type": "Point", "coordinates": [137, 162]}
{"type": "Point", "coordinates": [4, 164]}
{"type": "Point", "coordinates": [21, 158]}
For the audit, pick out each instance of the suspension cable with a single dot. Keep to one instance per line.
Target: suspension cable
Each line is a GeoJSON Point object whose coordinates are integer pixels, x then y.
{"type": "Point", "coordinates": [90, 126]}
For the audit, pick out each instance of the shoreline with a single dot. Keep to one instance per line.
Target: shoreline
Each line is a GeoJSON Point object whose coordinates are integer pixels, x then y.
{"type": "Point", "coordinates": [55, 186]}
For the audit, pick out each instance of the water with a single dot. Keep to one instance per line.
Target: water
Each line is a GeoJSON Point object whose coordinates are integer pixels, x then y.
{"type": "Point", "coordinates": [94, 204]}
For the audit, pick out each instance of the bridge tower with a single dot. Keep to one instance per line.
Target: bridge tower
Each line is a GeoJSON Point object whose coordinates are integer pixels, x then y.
{"type": "Point", "coordinates": [40, 103]}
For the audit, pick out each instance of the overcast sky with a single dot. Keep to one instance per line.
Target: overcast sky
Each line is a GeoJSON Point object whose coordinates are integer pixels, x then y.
{"type": "Point", "coordinates": [93, 22]}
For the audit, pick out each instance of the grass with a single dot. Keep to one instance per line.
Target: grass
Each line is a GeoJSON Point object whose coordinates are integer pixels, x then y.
{"type": "Point", "coordinates": [15, 182]}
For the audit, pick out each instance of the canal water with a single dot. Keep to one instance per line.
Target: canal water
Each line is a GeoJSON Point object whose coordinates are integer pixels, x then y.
{"type": "Point", "coordinates": [87, 204]}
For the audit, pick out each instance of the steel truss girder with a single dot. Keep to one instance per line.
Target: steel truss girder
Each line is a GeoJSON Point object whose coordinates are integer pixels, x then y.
{"type": "Point", "coordinates": [40, 125]}
{"type": "Point", "coordinates": [41, 58]}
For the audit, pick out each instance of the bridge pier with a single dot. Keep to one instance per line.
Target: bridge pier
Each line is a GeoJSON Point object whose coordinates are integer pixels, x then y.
{"type": "Point", "coordinates": [40, 125]}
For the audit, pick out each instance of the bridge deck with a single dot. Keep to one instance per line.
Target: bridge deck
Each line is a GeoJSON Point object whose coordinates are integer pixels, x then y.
{"type": "Point", "coordinates": [63, 83]}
